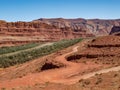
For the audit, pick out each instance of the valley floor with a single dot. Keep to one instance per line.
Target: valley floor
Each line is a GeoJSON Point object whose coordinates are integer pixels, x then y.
{"type": "Point", "coordinates": [63, 74]}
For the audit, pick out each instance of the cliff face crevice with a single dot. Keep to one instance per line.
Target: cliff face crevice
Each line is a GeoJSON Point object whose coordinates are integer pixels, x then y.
{"type": "Point", "coordinates": [115, 31]}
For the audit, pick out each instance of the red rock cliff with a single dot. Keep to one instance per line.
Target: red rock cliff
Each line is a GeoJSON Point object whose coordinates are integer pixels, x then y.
{"type": "Point", "coordinates": [53, 29]}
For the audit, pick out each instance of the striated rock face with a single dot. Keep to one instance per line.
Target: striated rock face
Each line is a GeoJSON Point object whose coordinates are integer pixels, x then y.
{"type": "Point", "coordinates": [105, 50]}
{"type": "Point", "coordinates": [115, 30]}
{"type": "Point", "coordinates": [96, 27]}
{"type": "Point", "coordinates": [15, 33]}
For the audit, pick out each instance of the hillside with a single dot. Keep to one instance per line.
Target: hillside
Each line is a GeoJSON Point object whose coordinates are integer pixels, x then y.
{"type": "Point", "coordinates": [84, 66]}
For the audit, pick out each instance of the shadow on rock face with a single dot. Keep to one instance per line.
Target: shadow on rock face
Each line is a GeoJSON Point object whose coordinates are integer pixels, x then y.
{"type": "Point", "coordinates": [48, 66]}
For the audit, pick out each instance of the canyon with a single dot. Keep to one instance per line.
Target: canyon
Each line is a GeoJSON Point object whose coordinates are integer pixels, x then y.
{"type": "Point", "coordinates": [85, 63]}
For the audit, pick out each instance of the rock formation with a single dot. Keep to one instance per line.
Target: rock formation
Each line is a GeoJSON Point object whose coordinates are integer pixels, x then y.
{"type": "Point", "coordinates": [53, 29]}
{"type": "Point", "coordinates": [115, 30]}
{"type": "Point", "coordinates": [96, 27]}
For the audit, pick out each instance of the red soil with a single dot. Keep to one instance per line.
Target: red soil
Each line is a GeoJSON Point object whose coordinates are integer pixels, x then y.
{"type": "Point", "coordinates": [70, 72]}
{"type": "Point", "coordinates": [60, 75]}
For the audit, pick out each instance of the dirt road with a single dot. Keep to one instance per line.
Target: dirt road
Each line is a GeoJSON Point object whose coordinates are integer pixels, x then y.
{"type": "Point", "coordinates": [37, 47]}
{"type": "Point", "coordinates": [60, 75]}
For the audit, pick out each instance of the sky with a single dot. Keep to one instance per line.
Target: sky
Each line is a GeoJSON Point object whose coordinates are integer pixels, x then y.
{"type": "Point", "coordinates": [28, 10]}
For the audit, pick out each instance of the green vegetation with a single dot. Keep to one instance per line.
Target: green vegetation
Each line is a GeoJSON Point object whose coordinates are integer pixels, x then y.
{"type": "Point", "coordinates": [6, 61]}
{"type": "Point", "coordinates": [5, 50]}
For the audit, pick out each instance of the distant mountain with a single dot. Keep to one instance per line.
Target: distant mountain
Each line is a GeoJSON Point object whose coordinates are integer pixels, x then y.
{"type": "Point", "coordinates": [90, 26]}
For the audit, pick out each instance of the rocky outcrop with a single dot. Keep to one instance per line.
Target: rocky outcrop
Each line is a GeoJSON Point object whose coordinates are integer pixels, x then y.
{"type": "Point", "coordinates": [105, 50]}
{"type": "Point", "coordinates": [115, 30]}
{"type": "Point", "coordinates": [41, 29]}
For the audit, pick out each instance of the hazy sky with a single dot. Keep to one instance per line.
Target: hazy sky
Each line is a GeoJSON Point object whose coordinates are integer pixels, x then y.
{"type": "Point", "coordinates": [27, 10]}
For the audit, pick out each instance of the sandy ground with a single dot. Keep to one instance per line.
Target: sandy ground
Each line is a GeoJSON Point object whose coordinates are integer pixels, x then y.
{"type": "Point", "coordinates": [61, 75]}
{"type": "Point", "coordinates": [66, 75]}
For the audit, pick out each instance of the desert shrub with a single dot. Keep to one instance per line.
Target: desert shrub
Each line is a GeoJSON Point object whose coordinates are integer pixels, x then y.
{"type": "Point", "coordinates": [115, 75]}
{"type": "Point", "coordinates": [99, 80]}
{"type": "Point", "coordinates": [3, 88]}
{"type": "Point", "coordinates": [86, 82]}
{"type": "Point", "coordinates": [4, 50]}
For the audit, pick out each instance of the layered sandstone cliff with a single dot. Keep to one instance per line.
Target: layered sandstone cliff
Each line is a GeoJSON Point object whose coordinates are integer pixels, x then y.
{"type": "Point", "coordinates": [53, 29]}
